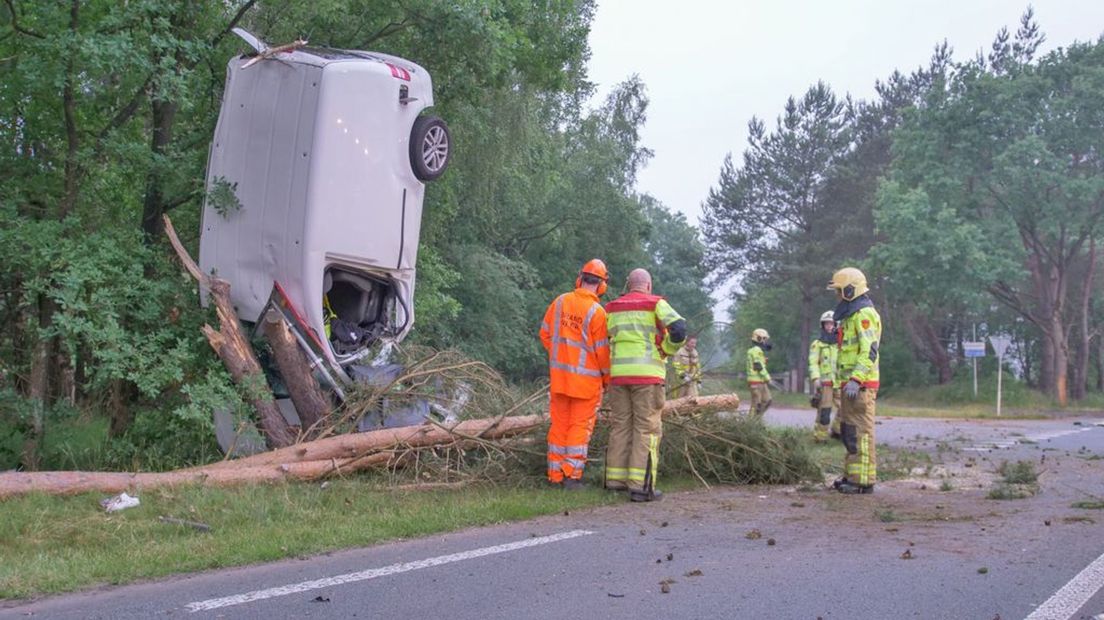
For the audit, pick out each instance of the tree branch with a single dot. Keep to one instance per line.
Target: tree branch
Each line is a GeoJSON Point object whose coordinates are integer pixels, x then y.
{"type": "Point", "coordinates": [386, 31]}
{"type": "Point", "coordinates": [233, 22]}
{"type": "Point", "coordinates": [15, 22]}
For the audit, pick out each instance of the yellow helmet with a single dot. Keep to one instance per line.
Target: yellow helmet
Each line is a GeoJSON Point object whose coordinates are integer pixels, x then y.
{"type": "Point", "coordinates": [760, 335]}
{"type": "Point", "coordinates": [849, 283]}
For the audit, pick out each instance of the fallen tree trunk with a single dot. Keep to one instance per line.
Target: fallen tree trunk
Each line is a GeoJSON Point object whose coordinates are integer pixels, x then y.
{"type": "Point", "coordinates": [234, 349]}
{"type": "Point", "coordinates": [70, 482]}
{"type": "Point", "coordinates": [313, 460]}
{"type": "Point", "coordinates": [357, 444]}
{"type": "Point", "coordinates": [701, 404]}
{"type": "Point", "coordinates": [310, 401]}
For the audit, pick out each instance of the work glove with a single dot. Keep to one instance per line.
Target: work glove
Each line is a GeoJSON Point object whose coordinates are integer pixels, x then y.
{"type": "Point", "coordinates": [851, 390]}
{"type": "Point", "coordinates": [817, 384]}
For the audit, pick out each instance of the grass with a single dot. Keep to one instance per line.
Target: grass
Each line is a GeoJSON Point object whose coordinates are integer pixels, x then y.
{"type": "Point", "coordinates": [1004, 491]}
{"type": "Point", "coordinates": [957, 397]}
{"type": "Point", "coordinates": [1087, 505]}
{"type": "Point", "coordinates": [57, 544]}
{"type": "Point", "coordinates": [887, 516]}
{"type": "Point", "coordinates": [1019, 481]}
{"type": "Point", "coordinates": [1019, 472]}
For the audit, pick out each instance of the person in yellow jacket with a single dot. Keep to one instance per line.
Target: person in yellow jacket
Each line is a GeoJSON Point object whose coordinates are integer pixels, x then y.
{"type": "Point", "coordinates": [758, 377]}
{"type": "Point", "coordinates": [643, 331]}
{"type": "Point", "coordinates": [859, 335]}
{"type": "Point", "coordinates": [823, 352]}
{"type": "Point", "coordinates": [687, 366]}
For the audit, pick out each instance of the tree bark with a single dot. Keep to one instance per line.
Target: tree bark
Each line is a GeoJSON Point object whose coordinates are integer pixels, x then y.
{"type": "Point", "coordinates": [69, 111]}
{"type": "Point", "coordinates": [355, 445]}
{"type": "Point", "coordinates": [234, 349]}
{"type": "Point", "coordinates": [310, 401]}
{"type": "Point", "coordinates": [1084, 344]}
{"type": "Point", "coordinates": [40, 385]}
{"type": "Point", "coordinates": [153, 205]}
{"type": "Point", "coordinates": [120, 393]}
{"type": "Point", "coordinates": [927, 344]}
{"type": "Point", "coordinates": [806, 337]}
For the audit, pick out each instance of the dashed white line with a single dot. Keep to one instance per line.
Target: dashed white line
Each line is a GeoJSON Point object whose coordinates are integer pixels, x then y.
{"type": "Point", "coordinates": [1072, 596]}
{"type": "Point", "coordinates": [373, 573]}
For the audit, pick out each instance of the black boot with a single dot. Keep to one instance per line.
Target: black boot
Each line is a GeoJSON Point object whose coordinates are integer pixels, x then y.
{"type": "Point", "coordinates": [855, 489]}
{"type": "Point", "coordinates": [838, 482]}
{"type": "Point", "coordinates": [645, 496]}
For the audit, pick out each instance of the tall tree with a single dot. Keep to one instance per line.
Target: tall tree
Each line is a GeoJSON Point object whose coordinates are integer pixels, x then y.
{"type": "Point", "coordinates": [769, 219]}
{"type": "Point", "coordinates": [1011, 149]}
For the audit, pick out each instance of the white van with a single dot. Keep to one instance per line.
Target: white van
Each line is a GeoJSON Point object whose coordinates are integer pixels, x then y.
{"type": "Point", "coordinates": [327, 153]}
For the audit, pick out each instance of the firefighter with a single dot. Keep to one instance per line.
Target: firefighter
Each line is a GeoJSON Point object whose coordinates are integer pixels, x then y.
{"type": "Point", "coordinates": [822, 373]}
{"type": "Point", "coordinates": [574, 334]}
{"type": "Point", "coordinates": [644, 330]}
{"type": "Point", "coordinates": [859, 334]}
{"type": "Point", "coordinates": [687, 365]}
{"type": "Point", "coordinates": [758, 376]}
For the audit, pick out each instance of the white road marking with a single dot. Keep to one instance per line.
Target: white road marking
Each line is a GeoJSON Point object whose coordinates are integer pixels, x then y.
{"type": "Point", "coordinates": [1066, 601]}
{"type": "Point", "coordinates": [394, 569]}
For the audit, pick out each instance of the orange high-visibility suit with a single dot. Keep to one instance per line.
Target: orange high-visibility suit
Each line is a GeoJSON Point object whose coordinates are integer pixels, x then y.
{"type": "Point", "coordinates": [574, 333]}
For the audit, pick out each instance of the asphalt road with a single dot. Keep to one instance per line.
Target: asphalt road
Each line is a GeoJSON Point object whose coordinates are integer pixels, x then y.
{"type": "Point", "coordinates": [908, 551]}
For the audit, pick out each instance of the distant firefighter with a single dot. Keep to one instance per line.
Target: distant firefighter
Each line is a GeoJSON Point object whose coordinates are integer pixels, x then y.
{"type": "Point", "coordinates": [758, 377]}
{"type": "Point", "coordinates": [823, 354]}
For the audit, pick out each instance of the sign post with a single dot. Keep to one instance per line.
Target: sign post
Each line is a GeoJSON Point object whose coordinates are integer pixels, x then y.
{"type": "Point", "coordinates": [974, 350]}
{"type": "Point", "coordinates": [1000, 345]}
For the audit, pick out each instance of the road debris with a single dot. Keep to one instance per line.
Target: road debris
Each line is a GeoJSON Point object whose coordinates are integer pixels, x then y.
{"type": "Point", "coordinates": [770, 542]}
{"type": "Point", "coordinates": [195, 525]}
{"type": "Point", "coordinates": [694, 573]}
{"type": "Point", "coordinates": [753, 535]}
{"type": "Point", "coordinates": [121, 501]}
{"type": "Point", "coordinates": [907, 555]}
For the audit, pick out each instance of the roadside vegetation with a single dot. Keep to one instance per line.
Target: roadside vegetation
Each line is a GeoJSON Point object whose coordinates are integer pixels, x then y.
{"type": "Point", "coordinates": [57, 544]}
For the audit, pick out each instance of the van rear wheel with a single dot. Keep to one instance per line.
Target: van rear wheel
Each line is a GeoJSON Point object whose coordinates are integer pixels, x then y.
{"type": "Point", "coordinates": [430, 148]}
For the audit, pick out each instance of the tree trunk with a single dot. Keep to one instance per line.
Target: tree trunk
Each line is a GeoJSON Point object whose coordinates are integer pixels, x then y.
{"type": "Point", "coordinates": [120, 393]}
{"type": "Point", "coordinates": [1060, 360]}
{"type": "Point", "coordinates": [40, 385]}
{"type": "Point", "coordinates": [310, 401]}
{"type": "Point", "coordinates": [69, 112]}
{"type": "Point", "coordinates": [927, 344]}
{"type": "Point", "coordinates": [153, 206]}
{"type": "Point", "coordinates": [353, 445]}
{"type": "Point", "coordinates": [1100, 364]}
{"type": "Point", "coordinates": [806, 337]}
{"type": "Point", "coordinates": [234, 349]}
{"type": "Point", "coordinates": [1084, 343]}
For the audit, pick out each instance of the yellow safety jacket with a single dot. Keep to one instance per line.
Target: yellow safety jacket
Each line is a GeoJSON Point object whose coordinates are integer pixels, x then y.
{"type": "Point", "coordinates": [757, 366]}
{"type": "Point", "coordinates": [822, 361]}
{"type": "Point", "coordinates": [859, 334]}
{"type": "Point", "coordinates": [639, 340]}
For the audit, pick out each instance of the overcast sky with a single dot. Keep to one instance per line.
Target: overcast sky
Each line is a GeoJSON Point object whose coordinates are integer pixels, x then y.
{"type": "Point", "coordinates": [711, 65]}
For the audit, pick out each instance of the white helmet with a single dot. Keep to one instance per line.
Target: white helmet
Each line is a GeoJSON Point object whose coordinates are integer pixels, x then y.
{"type": "Point", "coordinates": [828, 316]}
